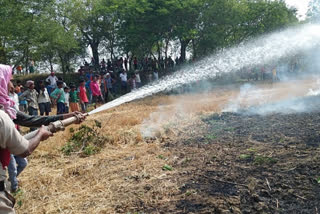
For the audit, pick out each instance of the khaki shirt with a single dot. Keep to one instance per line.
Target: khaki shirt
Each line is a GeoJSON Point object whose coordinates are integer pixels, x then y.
{"type": "Point", "coordinates": [10, 139]}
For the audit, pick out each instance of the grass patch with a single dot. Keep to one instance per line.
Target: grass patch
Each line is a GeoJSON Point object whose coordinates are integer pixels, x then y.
{"type": "Point", "coordinates": [260, 160]}
{"type": "Point", "coordinates": [85, 141]}
{"type": "Point", "coordinates": [245, 157]}
{"type": "Point", "coordinates": [167, 168]}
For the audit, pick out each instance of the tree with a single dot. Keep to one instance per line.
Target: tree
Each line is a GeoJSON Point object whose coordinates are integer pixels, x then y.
{"type": "Point", "coordinates": [313, 13]}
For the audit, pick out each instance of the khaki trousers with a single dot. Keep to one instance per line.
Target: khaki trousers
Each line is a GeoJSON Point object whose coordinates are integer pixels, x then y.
{"type": "Point", "coordinates": [5, 204]}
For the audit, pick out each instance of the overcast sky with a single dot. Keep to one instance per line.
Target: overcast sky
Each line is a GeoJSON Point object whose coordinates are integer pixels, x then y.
{"type": "Point", "coordinates": [301, 5]}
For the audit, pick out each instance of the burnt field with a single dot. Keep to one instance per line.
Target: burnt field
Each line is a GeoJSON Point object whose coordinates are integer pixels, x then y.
{"type": "Point", "coordinates": [248, 164]}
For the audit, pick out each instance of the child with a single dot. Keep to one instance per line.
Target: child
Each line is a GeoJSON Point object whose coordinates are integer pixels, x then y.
{"type": "Point", "coordinates": [23, 104]}
{"type": "Point", "coordinates": [44, 100]}
{"type": "Point", "coordinates": [66, 97]}
{"type": "Point", "coordinates": [74, 99]}
{"type": "Point", "coordinates": [59, 96]}
{"type": "Point", "coordinates": [96, 92]}
{"type": "Point", "coordinates": [31, 95]}
{"type": "Point", "coordinates": [83, 96]}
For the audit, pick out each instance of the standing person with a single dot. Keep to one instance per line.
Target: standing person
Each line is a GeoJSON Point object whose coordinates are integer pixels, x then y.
{"type": "Point", "coordinates": [133, 82]}
{"type": "Point", "coordinates": [10, 139]}
{"type": "Point", "coordinates": [44, 100]}
{"type": "Point", "coordinates": [135, 63]}
{"type": "Point", "coordinates": [66, 97]}
{"type": "Point", "coordinates": [59, 97]}
{"type": "Point", "coordinates": [83, 96]}
{"type": "Point", "coordinates": [14, 97]}
{"type": "Point", "coordinates": [88, 89]}
{"type": "Point", "coordinates": [23, 104]}
{"type": "Point", "coordinates": [126, 64]}
{"type": "Point", "coordinates": [52, 79]}
{"type": "Point", "coordinates": [138, 79]}
{"type": "Point", "coordinates": [31, 95]}
{"type": "Point", "coordinates": [74, 99]}
{"type": "Point", "coordinates": [96, 92]}
{"type": "Point", "coordinates": [155, 75]}
{"type": "Point", "coordinates": [108, 82]}
{"type": "Point", "coordinates": [31, 66]}
{"type": "Point", "coordinates": [124, 80]}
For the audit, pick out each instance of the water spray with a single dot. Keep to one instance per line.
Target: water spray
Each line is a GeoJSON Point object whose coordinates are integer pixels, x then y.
{"type": "Point", "coordinates": [255, 52]}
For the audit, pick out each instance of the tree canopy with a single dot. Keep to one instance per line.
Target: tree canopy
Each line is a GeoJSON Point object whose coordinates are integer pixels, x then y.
{"type": "Point", "coordinates": [60, 31]}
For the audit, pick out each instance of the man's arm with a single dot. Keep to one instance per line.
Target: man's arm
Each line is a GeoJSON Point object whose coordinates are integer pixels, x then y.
{"type": "Point", "coordinates": [42, 135]}
{"type": "Point", "coordinates": [12, 140]}
{"type": "Point", "coordinates": [37, 121]}
{"type": "Point", "coordinates": [23, 95]}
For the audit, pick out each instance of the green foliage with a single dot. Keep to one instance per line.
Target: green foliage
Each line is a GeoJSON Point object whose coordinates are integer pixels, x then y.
{"type": "Point", "coordinates": [167, 168]}
{"type": "Point", "coordinates": [60, 31]}
{"type": "Point", "coordinates": [245, 156]}
{"type": "Point", "coordinates": [85, 141]}
{"type": "Point", "coordinates": [260, 160]}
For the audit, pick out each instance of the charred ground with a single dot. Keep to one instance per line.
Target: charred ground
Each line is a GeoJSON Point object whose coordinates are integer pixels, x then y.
{"type": "Point", "coordinates": [248, 164]}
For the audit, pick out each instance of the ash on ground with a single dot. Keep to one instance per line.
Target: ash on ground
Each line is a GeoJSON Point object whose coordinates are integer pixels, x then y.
{"type": "Point", "coordinates": [237, 163]}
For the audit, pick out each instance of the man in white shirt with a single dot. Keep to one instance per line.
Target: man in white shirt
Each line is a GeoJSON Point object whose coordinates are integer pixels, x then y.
{"type": "Point", "coordinates": [124, 80]}
{"type": "Point", "coordinates": [52, 79]}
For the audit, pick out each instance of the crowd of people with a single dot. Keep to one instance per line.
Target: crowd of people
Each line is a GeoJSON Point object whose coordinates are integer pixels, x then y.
{"type": "Point", "coordinates": [14, 148]}
{"type": "Point", "coordinates": [122, 75]}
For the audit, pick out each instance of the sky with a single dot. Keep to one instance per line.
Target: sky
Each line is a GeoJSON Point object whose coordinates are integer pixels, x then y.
{"type": "Point", "coordinates": [301, 5]}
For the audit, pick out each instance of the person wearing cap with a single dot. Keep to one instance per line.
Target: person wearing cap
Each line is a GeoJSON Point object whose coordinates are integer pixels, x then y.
{"type": "Point", "coordinates": [31, 95]}
{"type": "Point", "coordinates": [11, 141]}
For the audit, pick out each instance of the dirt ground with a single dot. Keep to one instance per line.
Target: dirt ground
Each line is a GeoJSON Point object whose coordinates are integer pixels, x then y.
{"type": "Point", "coordinates": [196, 160]}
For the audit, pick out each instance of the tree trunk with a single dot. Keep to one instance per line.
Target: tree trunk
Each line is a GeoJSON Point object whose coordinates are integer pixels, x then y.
{"type": "Point", "coordinates": [63, 67]}
{"type": "Point", "coordinates": [184, 45]}
{"type": "Point", "coordinates": [159, 51]}
{"type": "Point", "coordinates": [194, 50]}
{"type": "Point", "coordinates": [166, 49]}
{"type": "Point", "coordinates": [26, 60]}
{"type": "Point", "coordinates": [94, 47]}
{"type": "Point", "coordinates": [51, 65]}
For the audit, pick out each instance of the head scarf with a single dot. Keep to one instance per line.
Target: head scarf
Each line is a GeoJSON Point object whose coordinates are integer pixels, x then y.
{"type": "Point", "coordinates": [5, 102]}
{"type": "Point", "coordinates": [29, 82]}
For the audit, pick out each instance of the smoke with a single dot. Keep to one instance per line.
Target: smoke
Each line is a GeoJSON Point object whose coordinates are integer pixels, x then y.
{"type": "Point", "coordinates": [249, 95]}
{"type": "Point", "coordinates": [163, 117]}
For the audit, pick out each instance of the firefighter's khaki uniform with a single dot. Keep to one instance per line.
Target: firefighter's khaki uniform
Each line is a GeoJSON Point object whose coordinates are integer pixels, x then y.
{"type": "Point", "coordinates": [10, 139]}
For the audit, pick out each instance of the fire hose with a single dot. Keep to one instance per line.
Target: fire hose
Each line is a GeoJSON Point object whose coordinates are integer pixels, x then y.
{"type": "Point", "coordinates": [56, 126]}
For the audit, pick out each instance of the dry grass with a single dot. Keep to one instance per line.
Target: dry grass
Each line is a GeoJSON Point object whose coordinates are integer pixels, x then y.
{"type": "Point", "coordinates": [126, 176]}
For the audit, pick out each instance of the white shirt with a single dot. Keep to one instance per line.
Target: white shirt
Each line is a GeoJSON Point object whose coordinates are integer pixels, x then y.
{"type": "Point", "coordinates": [15, 98]}
{"type": "Point", "coordinates": [53, 80]}
{"type": "Point", "coordinates": [138, 80]}
{"type": "Point", "coordinates": [43, 96]}
{"type": "Point", "coordinates": [66, 98]}
{"type": "Point", "coordinates": [123, 77]}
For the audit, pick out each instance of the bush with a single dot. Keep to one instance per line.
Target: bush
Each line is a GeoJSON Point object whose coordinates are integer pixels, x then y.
{"type": "Point", "coordinates": [85, 141]}
{"type": "Point", "coordinates": [68, 78]}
